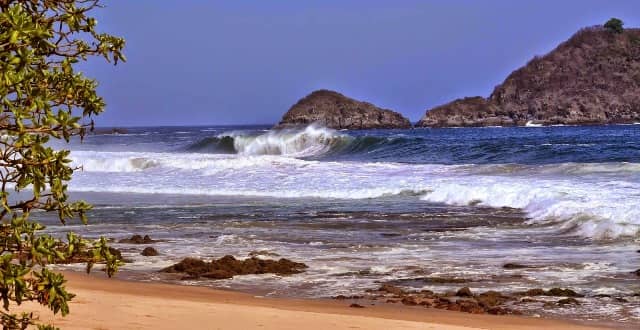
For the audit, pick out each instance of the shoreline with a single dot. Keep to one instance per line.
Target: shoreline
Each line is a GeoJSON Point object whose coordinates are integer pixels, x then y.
{"type": "Point", "coordinates": [102, 303]}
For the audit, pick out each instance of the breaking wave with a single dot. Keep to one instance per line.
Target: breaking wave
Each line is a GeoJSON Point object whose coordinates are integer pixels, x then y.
{"type": "Point", "coordinates": [312, 141]}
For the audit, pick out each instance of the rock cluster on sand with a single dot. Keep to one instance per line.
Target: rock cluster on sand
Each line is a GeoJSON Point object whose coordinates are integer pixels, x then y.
{"type": "Point", "coordinates": [466, 300]}
{"type": "Point", "coordinates": [592, 78]}
{"type": "Point", "coordinates": [555, 292]}
{"type": "Point", "coordinates": [228, 266]}
{"type": "Point", "coordinates": [334, 110]}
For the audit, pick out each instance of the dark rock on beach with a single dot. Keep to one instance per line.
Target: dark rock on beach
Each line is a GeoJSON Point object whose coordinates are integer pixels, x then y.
{"type": "Point", "coordinates": [516, 266]}
{"type": "Point", "coordinates": [554, 292]}
{"type": "Point", "coordinates": [463, 300]}
{"type": "Point", "coordinates": [443, 280]}
{"type": "Point", "coordinates": [228, 267]}
{"type": "Point", "coordinates": [491, 299]}
{"type": "Point", "coordinates": [410, 301]}
{"type": "Point", "coordinates": [568, 301]}
{"type": "Point", "coordinates": [534, 292]}
{"type": "Point", "coordinates": [149, 252]}
{"type": "Point", "coordinates": [464, 292]}
{"type": "Point", "coordinates": [137, 239]}
{"type": "Point", "coordinates": [391, 289]}
{"type": "Point", "coordinates": [592, 78]}
{"type": "Point", "coordinates": [558, 292]}
{"type": "Point", "coordinates": [334, 110]}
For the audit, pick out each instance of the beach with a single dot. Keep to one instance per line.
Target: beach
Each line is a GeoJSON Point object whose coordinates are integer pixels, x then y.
{"type": "Point", "coordinates": [103, 303]}
{"type": "Point", "coordinates": [319, 166]}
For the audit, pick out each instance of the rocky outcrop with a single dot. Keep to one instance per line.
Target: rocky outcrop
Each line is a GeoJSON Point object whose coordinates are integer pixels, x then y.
{"type": "Point", "coordinates": [228, 266]}
{"type": "Point", "coordinates": [149, 252]}
{"type": "Point", "coordinates": [137, 239]}
{"type": "Point", "coordinates": [464, 300]}
{"type": "Point", "coordinates": [554, 292]}
{"type": "Point", "coordinates": [335, 110]}
{"type": "Point", "coordinates": [592, 78]}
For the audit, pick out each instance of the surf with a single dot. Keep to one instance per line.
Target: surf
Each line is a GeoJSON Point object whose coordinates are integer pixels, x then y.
{"type": "Point", "coordinates": [597, 201]}
{"type": "Point", "coordinates": [312, 141]}
{"type": "Point", "coordinates": [582, 181]}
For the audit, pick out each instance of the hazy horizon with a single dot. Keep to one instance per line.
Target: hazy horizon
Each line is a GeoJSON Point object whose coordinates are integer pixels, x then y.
{"type": "Point", "coordinates": [239, 63]}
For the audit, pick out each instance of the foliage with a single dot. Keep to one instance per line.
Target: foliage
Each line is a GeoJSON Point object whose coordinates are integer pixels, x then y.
{"type": "Point", "coordinates": [614, 25]}
{"type": "Point", "coordinates": [43, 97]}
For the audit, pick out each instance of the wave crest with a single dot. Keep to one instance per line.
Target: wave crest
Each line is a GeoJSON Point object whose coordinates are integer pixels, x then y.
{"type": "Point", "coordinates": [313, 140]}
{"type": "Point", "coordinates": [310, 141]}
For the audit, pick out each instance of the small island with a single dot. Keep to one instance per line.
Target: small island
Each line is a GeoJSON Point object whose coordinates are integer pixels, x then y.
{"type": "Point", "coordinates": [592, 78]}
{"type": "Point", "coordinates": [334, 110]}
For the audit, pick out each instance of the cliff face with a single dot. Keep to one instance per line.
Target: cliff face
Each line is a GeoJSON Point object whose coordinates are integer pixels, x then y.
{"type": "Point", "coordinates": [592, 78]}
{"type": "Point", "coordinates": [335, 110]}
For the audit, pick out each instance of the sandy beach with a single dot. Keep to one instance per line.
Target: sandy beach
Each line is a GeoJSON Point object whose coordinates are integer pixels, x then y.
{"type": "Point", "coordinates": [116, 304]}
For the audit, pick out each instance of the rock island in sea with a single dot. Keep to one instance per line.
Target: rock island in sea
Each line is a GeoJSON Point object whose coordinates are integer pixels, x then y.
{"type": "Point", "coordinates": [334, 110]}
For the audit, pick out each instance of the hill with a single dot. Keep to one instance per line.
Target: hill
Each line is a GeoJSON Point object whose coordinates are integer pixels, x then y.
{"type": "Point", "coordinates": [335, 110]}
{"type": "Point", "coordinates": [592, 78]}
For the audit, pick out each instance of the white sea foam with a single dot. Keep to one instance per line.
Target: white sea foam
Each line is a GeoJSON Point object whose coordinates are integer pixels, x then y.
{"type": "Point", "coordinates": [566, 195]}
{"type": "Point", "coordinates": [598, 210]}
{"type": "Point", "coordinates": [287, 142]}
{"type": "Point", "coordinates": [94, 161]}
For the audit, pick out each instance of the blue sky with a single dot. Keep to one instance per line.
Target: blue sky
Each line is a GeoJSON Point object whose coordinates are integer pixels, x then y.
{"type": "Point", "coordinates": [202, 62]}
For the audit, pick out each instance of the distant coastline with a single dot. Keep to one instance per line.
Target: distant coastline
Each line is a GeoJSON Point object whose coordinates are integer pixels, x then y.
{"type": "Point", "coordinates": [591, 79]}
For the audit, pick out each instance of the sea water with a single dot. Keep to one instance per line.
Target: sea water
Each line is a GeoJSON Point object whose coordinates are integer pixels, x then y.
{"type": "Point", "coordinates": [366, 207]}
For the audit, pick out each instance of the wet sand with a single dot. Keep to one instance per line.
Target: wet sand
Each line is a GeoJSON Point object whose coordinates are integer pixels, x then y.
{"type": "Point", "coordinates": [117, 304]}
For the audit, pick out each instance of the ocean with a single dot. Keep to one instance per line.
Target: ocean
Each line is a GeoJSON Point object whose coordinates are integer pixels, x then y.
{"type": "Point", "coordinates": [368, 207]}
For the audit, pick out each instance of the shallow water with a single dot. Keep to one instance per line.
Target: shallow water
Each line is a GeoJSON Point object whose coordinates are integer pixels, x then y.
{"type": "Point", "coordinates": [366, 207]}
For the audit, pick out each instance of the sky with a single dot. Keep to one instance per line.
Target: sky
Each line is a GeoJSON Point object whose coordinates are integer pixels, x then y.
{"type": "Point", "coordinates": [197, 62]}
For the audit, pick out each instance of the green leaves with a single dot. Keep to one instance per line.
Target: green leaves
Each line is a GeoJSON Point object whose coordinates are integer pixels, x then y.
{"type": "Point", "coordinates": [42, 97]}
{"type": "Point", "coordinates": [614, 25]}
{"type": "Point", "coordinates": [51, 291]}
